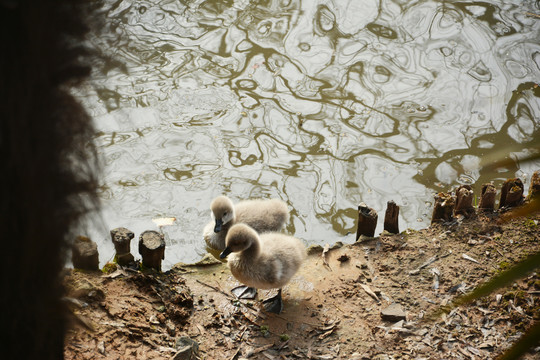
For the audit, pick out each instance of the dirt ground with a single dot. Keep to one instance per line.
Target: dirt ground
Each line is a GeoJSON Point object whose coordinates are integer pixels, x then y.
{"type": "Point", "coordinates": [336, 307]}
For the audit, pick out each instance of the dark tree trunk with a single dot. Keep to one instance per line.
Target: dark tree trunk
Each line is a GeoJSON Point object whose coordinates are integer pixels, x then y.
{"type": "Point", "coordinates": [46, 149]}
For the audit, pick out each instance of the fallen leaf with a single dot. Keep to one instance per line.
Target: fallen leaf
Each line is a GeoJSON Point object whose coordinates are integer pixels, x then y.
{"type": "Point", "coordinates": [370, 292]}
{"type": "Point", "coordinates": [467, 257]}
{"type": "Point", "coordinates": [115, 274]}
{"type": "Point", "coordinates": [251, 352]}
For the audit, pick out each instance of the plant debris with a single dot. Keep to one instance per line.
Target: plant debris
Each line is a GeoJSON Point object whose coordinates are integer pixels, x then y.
{"type": "Point", "coordinates": [334, 314]}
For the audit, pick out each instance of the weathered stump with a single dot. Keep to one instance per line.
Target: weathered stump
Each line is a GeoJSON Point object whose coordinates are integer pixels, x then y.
{"type": "Point", "coordinates": [84, 254]}
{"type": "Point", "coordinates": [367, 221]}
{"type": "Point", "coordinates": [443, 208]}
{"type": "Point", "coordinates": [464, 201]}
{"type": "Point", "coordinates": [391, 218]}
{"type": "Point", "coordinates": [534, 189]}
{"type": "Point", "coordinates": [394, 312]}
{"type": "Point", "coordinates": [121, 238]}
{"type": "Point", "coordinates": [511, 194]}
{"type": "Point", "coordinates": [152, 249]}
{"type": "Point", "coordinates": [487, 198]}
{"type": "Point", "coordinates": [514, 198]}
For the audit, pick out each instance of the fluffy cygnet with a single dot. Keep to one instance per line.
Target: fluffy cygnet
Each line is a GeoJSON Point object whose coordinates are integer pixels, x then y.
{"type": "Point", "coordinates": [266, 261]}
{"type": "Point", "coordinates": [261, 215]}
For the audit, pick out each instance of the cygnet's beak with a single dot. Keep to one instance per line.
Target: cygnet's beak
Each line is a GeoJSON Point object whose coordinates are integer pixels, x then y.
{"type": "Point", "coordinates": [225, 252]}
{"type": "Point", "coordinates": [219, 224]}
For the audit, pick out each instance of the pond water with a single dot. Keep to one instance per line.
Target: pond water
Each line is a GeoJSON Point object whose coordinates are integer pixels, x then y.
{"type": "Point", "coordinates": [324, 104]}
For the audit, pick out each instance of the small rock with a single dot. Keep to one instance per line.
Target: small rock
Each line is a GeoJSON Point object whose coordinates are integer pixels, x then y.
{"type": "Point", "coordinates": [85, 289]}
{"type": "Point", "coordinates": [393, 313]}
{"type": "Point", "coordinates": [344, 258]}
{"type": "Point", "coordinates": [314, 249]}
{"type": "Point", "coordinates": [101, 347]}
{"type": "Point", "coordinates": [171, 329]}
{"type": "Point", "coordinates": [96, 294]}
{"type": "Point", "coordinates": [207, 259]}
{"type": "Point", "coordinates": [187, 348]}
{"type": "Point", "coordinates": [184, 353]}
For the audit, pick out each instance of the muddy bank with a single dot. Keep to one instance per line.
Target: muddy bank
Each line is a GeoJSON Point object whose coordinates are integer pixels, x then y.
{"type": "Point", "coordinates": [365, 300]}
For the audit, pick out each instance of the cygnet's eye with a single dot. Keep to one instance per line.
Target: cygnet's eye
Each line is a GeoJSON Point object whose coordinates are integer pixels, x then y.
{"type": "Point", "coordinates": [225, 213]}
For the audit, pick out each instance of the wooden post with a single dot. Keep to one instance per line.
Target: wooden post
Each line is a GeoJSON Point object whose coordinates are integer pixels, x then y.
{"type": "Point", "coordinates": [511, 194]}
{"type": "Point", "coordinates": [534, 189]}
{"type": "Point", "coordinates": [464, 199]}
{"type": "Point", "coordinates": [121, 238]}
{"type": "Point", "coordinates": [391, 218]}
{"type": "Point", "coordinates": [367, 221]}
{"type": "Point", "coordinates": [487, 197]}
{"type": "Point", "coordinates": [152, 249]}
{"type": "Point", "coordinates": [443, 208]}
{"type": "Point", "coordinates": [84, 254]}
{"type": "Point", "coordinates": [515, 195]}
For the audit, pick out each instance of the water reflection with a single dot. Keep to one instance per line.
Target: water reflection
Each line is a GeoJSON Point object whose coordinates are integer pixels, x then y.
{"type": "Point", "coordinates": [322, 104]}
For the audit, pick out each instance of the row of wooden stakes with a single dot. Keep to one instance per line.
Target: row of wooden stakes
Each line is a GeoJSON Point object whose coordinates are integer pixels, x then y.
{"type": "Point", "coordinates": [449, 206]}
{"type": "Point", "coordinates": [446, 208]}
{"type": "Point", "coordinates": [151, 247]}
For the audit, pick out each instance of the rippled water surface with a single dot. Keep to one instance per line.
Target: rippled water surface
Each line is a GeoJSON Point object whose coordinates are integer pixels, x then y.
{"type": "Point", "coordinates": [323, 104]}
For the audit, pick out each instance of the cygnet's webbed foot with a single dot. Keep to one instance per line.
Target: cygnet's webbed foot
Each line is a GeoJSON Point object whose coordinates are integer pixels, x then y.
{"type": "Point", "coordinates": [244, 292]}
{"type": "Point", "coordinates": [274, 304]}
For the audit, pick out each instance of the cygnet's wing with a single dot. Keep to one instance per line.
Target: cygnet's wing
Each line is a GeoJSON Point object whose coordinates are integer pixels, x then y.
{"type": "Point", "coordinates": [263, 215]}
{"type": "Point", "coordinates": [284, 254]}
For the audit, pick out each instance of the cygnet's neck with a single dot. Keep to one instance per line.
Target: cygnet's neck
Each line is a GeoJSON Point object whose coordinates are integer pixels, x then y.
{"type": "Point", "coordinates": [253, 251]}
{"type": "Point", "coordinates": [232, 221]}
{"type": "Point", "coordinates": [227, 226]}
